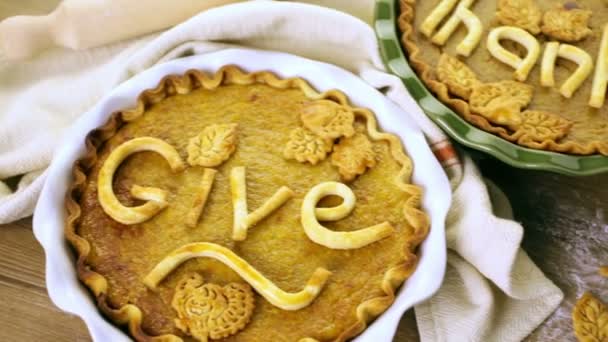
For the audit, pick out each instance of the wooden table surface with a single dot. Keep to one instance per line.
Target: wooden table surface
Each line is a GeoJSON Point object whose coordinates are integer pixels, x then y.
{"type": "Point", "coordinates": [565, 221]}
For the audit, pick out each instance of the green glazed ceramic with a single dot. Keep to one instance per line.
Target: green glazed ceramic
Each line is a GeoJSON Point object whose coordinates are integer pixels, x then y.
{"type": "Point", "coordinates": [388, 39]}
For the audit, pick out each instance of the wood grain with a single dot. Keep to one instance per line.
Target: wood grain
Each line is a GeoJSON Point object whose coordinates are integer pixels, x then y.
{"type": "Point", "coordinates": [20, 256]}
{"type": "Point", "coordinates": [26, 313]}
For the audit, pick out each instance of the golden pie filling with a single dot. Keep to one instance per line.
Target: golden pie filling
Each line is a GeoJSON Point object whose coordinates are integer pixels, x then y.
{"type": "Point", "coordinates": [243, 207]}
{"type": "Point", "coordinates": [531, 71]}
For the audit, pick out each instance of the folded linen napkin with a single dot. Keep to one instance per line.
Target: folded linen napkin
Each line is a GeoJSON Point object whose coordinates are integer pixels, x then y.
{"type": "Point", "coordinates": [492, 290]}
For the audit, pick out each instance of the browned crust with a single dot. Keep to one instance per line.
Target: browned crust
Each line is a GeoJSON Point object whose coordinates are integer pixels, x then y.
{"type": "Point", "coordinates": [425, 71]}
{"type": "Point", "coordinates": [131, 315]}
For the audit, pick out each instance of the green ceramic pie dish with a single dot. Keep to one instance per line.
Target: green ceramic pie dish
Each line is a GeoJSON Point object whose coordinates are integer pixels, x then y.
{"type": "Point", "coordinates": [386, 14]}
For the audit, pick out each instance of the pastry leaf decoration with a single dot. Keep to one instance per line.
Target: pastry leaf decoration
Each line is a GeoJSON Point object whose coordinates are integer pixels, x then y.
{"type": "Point", "coordinates": [353, 156]}
{"type": "Point", "coordinates": [590, 319]}
{"type": "Point", "coordinates": [501, 102]}
{"type": "Point", "coordinates": [324, 121]}
{"type": "Point", "coordinates": [524, 14]}
{"type": "Point", "coordinates": [305, 146]}
{"type": "Point", "coordinates": [540, 126]}
{"type": "Point", "coordinates": [211, 311]}
{"type": "Point", "coordinates": [567, 24]}
{"type": "Point", "coordinates": [458, 77]}
{"type": "Point", "coordinates": [327, 119]}
{"type": "Point", "coordinates": [214, 145]}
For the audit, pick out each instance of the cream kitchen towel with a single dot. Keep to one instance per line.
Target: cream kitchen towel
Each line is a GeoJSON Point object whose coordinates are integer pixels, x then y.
{"type": "Point", "coordinates": [492, 292]}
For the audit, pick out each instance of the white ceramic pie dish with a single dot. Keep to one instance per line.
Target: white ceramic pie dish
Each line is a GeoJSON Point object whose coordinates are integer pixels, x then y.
{"type": "Point", "coordinates": [70, 295]}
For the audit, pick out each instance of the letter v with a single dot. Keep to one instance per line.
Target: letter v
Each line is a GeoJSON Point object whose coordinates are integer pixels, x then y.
{"type": "Point", "coordinates": [243, 220]}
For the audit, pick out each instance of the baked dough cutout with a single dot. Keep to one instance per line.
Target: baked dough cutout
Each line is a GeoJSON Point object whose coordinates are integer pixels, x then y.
{"type": "Point", "coordinates": [457, 76]}
{"type": "Point", "coordinates": [331, 239]}
{"type": "Point", "coordinates": [524, 14]}
{"type": "Point", "coordinates": [214, 145]}
{"type": "Point", "coordinates": [569, 52]}
{"type": "Point", "coordinates": [590, 319]}
{"type": "Point", "coordinates": [541, 126]}
{"type": "Point", "coordinates": [567, 24]}
{"type": "Point", "coordinates": [598, 88]}
{"type": "Point", "coordinates": [243, 220]}
{"type": "Point", "coordinates": [522, 66]}
{"type": "Point", "coordinates": [547, 65]}
{"type": "Point", "coordinates": [430, 23]}
{"type": "Point", "coordinates": [206, 310]}
{"type": "Point", "coordinates": [353, 156]}
{"type": "Point", "coordinates": [263, 286]}
{"type": "Point", "coordinates": [156, 198]}
{"type": "Point", "coordinates": [327, 119]}
{"type": "Point", "coordinates": [305, 146]}
{"type": "Point", "coordinates": [501, 102]}
{"type": "Point", "coordinates": [200, 198]}
{"type": "Point", "coordinates": [461, 14]}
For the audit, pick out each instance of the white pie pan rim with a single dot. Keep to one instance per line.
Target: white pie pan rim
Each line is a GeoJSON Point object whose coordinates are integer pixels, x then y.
{"type": "Point", "coordinates": [70, 295]}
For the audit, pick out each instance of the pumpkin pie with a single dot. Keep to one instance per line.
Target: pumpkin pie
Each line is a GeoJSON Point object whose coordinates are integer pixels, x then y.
{"type": "Point", "coordinates": [533, 72]}
{"type": "Point", "coordinates": [240, 206]}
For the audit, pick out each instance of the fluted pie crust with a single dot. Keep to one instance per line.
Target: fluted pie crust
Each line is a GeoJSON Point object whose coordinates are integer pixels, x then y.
{"type": "Point", "coordinates": [577, 128]}
{"type": "Point", "coordinates": [118, 286]}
